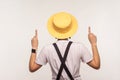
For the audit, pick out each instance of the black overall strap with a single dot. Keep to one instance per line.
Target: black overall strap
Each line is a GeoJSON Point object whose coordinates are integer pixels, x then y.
{"type": "Point", "coordinates": [63, 59]}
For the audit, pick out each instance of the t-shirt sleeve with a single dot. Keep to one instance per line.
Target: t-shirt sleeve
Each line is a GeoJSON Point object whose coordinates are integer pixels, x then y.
{"type": "Point", "coordinates": [86, 55]}
{"type": "Point", "coordinates": [42, 57]}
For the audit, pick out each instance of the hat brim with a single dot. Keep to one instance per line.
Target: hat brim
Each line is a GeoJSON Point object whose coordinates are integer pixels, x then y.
{"type": "Point", "coordinates": [60, 35]}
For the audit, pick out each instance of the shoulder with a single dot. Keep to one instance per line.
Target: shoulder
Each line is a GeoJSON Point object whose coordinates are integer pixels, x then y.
{"type": "Point", "coordinates": [77, 44]}
{"type": "Point", "coordinates": [47, 47]}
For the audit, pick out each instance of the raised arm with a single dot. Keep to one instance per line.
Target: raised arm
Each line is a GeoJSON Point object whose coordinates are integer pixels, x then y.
{"type": "Point", "coordinates": [32, 65]}
{"type": "Point", "coordinates": [95, 63]}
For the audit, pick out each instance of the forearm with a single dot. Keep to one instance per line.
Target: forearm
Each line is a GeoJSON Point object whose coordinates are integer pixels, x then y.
{"type": "Point", "coordinates": [33, 66]}
{"type": "Point", "coordinates": [32, 61]}
{"type": "Point", "coordinates": [96, 57]}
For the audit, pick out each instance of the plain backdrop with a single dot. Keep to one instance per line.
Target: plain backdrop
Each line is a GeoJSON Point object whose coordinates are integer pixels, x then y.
{"type": "Point", "coordinates": [20, 18]}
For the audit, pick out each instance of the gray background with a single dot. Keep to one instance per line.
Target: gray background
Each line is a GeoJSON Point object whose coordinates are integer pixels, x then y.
{"type": "Point", "coordinates": [19, 19]}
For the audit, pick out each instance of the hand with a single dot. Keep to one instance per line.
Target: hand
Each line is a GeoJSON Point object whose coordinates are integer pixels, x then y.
{"type": "Point", "coordinates": [92, 38]}
{"type": "Point", "coordinates": [34, 41]}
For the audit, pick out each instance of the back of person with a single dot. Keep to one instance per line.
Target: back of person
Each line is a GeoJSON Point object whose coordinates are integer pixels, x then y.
{"type": "Point", "coordinates": [76, 54]}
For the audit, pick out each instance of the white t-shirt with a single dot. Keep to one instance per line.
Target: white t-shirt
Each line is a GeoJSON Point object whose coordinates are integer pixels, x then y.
{"type": "Point", "coordinates": [77, 53]}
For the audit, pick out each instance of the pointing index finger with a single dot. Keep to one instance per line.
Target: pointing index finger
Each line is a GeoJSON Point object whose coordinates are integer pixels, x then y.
{"type": "Point", "coordinates": [36, 32]}
{"type": "Point", "coordinates": [89, 29]}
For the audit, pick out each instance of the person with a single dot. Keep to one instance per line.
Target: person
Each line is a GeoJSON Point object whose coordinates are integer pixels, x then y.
{"type": "Point", "coordinates": [64, 56]}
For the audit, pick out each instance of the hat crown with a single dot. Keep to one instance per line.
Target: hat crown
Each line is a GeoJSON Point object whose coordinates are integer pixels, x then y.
{"type": "Point", "coordinates": [62, 25]}
{"type": "Point", "coordinates": [61, 20]}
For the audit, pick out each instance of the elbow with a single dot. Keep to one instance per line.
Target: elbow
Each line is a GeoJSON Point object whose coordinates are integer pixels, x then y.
{"type": "Point", "coordinates": [97, 67]}
{"type": "Point", "coordinates": [31, 69]}
{"type": "Point", "coordinates": [94, 65]}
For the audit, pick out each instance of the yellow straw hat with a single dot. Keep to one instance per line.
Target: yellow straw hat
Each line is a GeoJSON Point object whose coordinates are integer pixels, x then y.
{"type": "Point", "coordinates": [62, 25]}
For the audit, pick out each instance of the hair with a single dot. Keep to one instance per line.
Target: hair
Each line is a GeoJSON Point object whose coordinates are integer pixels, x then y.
{"type": "Point", "coordinates": [63, 39]}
